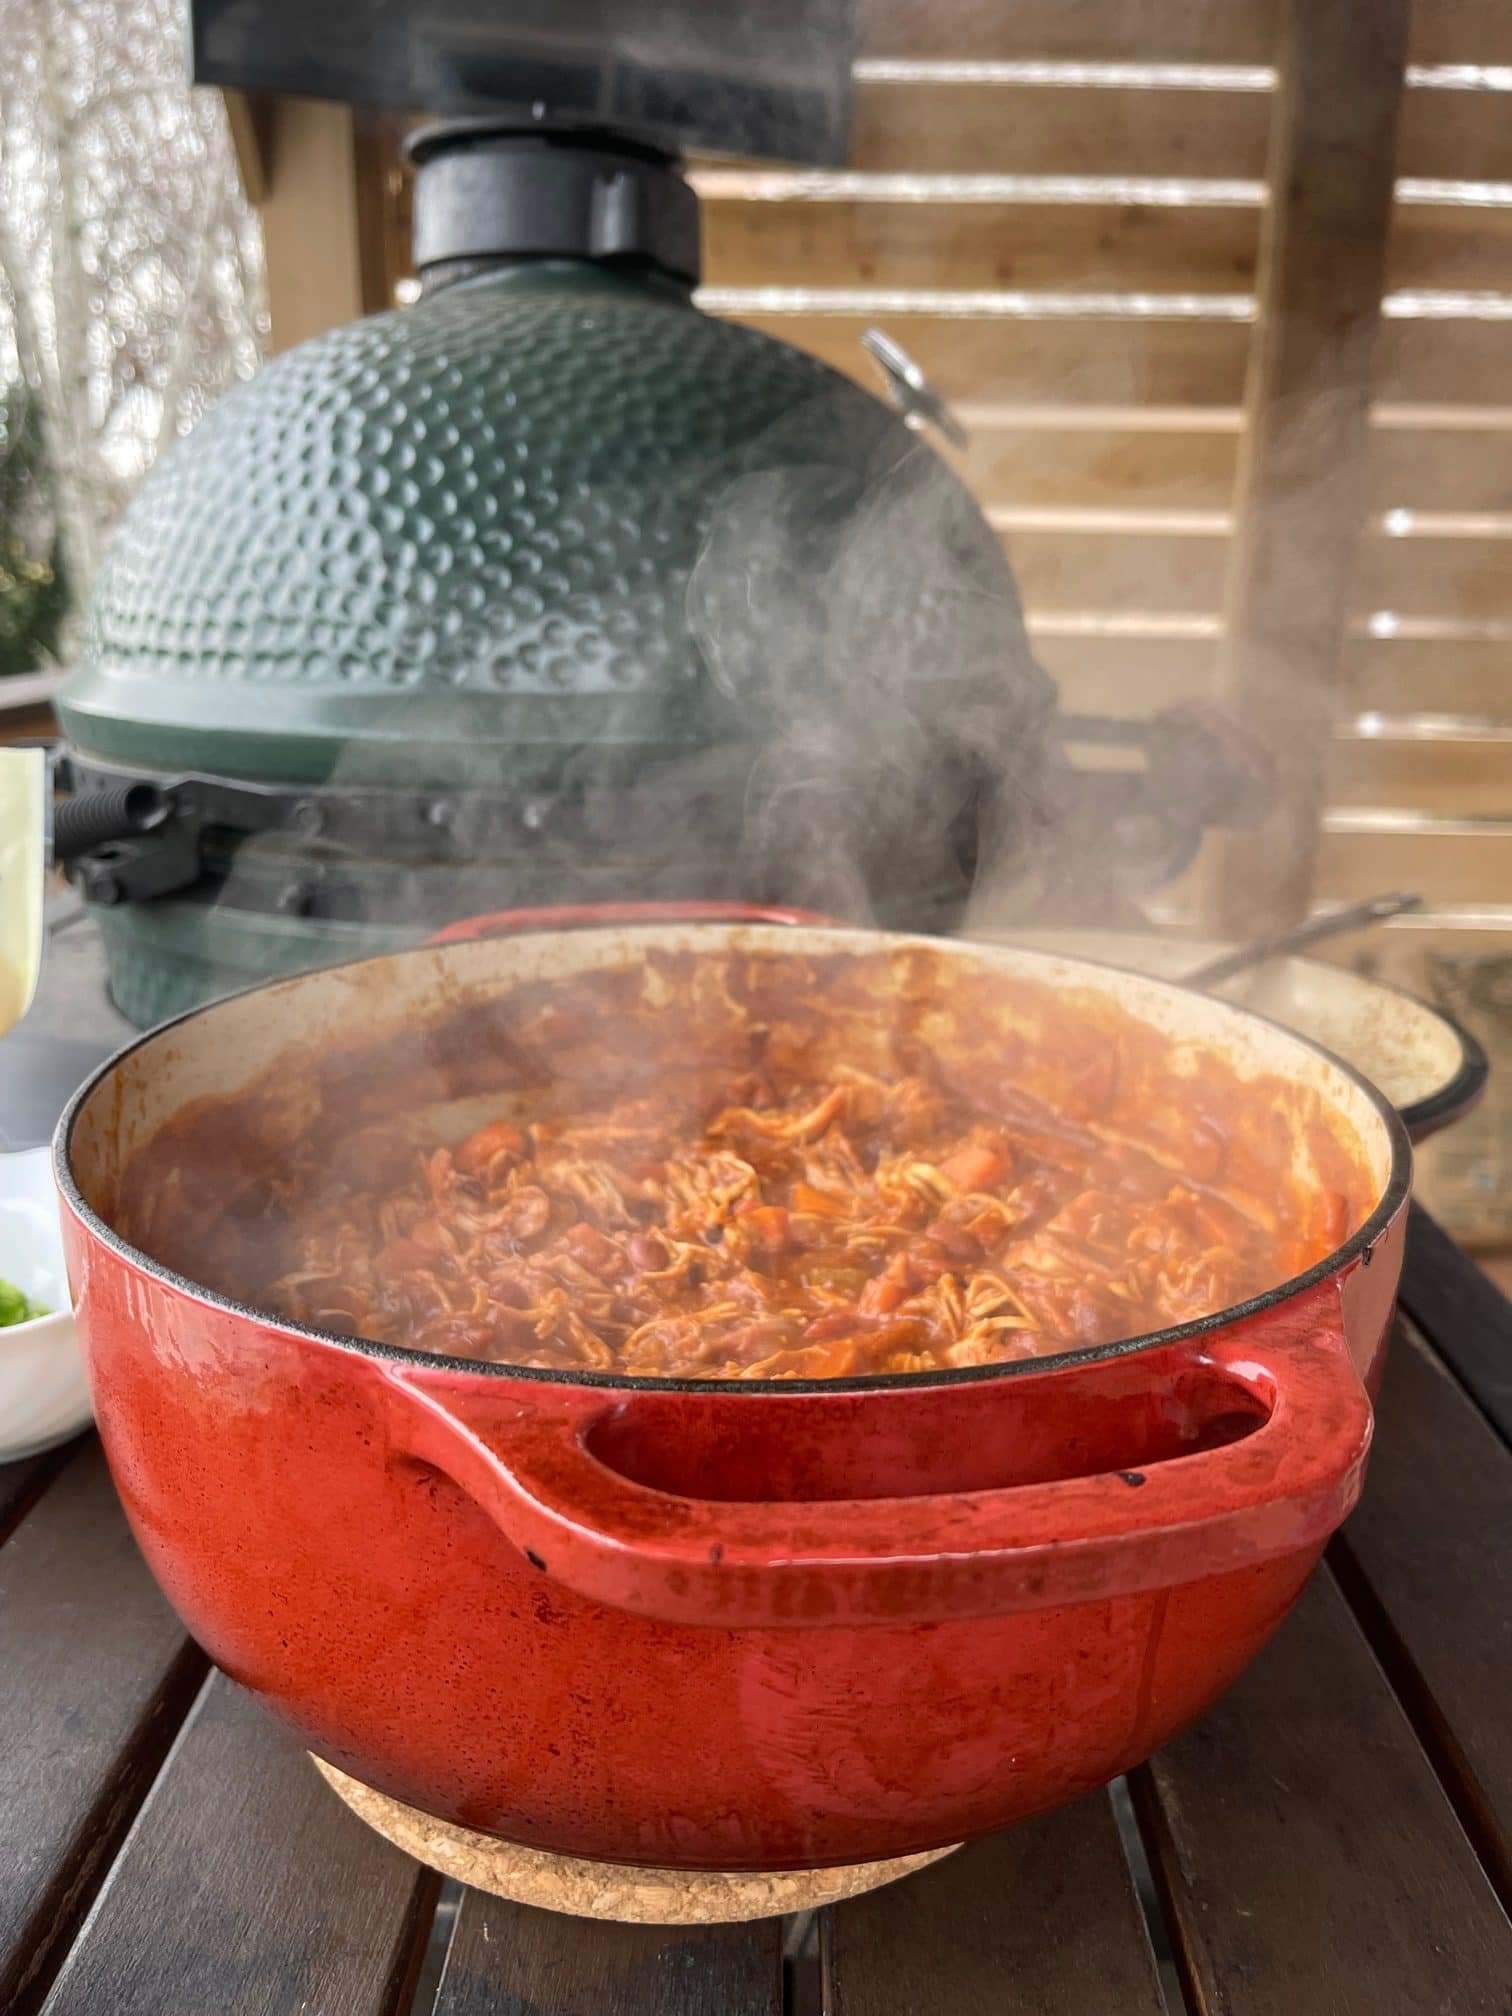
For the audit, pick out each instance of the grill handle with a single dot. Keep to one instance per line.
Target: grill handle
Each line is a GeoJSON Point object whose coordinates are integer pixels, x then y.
{"type": "Point", "coordinates": [94, 818]}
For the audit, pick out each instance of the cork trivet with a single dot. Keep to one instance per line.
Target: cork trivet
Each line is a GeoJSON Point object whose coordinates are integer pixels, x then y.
{"type": "Point", "coordinates": [613, 1890]}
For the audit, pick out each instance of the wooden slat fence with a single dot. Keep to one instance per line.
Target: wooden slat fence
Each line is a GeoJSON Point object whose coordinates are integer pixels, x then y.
{"type": "Point", "coordinates": [1056, 207]}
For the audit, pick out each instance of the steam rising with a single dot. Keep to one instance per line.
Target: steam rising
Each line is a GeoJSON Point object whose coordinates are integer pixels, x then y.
{"type": "Point", "coordinates": [903, 715]}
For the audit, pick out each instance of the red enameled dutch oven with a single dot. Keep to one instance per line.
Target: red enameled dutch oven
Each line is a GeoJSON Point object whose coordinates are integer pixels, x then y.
{"type": "Point", "coordinates": [717, 1626]}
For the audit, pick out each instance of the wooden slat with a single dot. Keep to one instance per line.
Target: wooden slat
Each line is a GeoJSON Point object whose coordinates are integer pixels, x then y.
{"type": "Point", "coordinates": [1103, 361]}
{"type": "Point", "coordinates": [1444, 468]}
{"type": "Point", "coordinates": [1466, 578]}
{"type": "Point", "coordinates": [1071, 360]}
{"type": "Point", "coordinates": [1452, 861]}
{"type": "Point", "coordinates": [1438, 360]}
{"type": "Point", "coordinates": [1125, 675]}
{"type": "Point", "coordinates": [1117, 571]}
{"type": "Point", "coordinates": [1450, 245]}
{"type": "Point", "coordinates": [1124, 247]}
{"type": "Point", "coordinates": [1464, 1315]}
{"type": "Point", "coordinates": [1399, 675]}
{"type": "Point", "coordinates": [1166, 31]}
{"type": "Point", "coordinates": [508, 1957]}
{"type": "Point", "coordinates": [1456, 777]}
{"type": "Point", "coordinates": [1096, 360]}
{"type": "Point", "coordinates": [967, 127]}
{"type": "Point", "coordinates": [1427, 1561]}
{"type": "Point", "coordinates": [1131, 458]}
{"type": "Point", "coordinates": [1128, 460]}
{"type": "Point", "coordinates": [1109, 465]}
{"type": "Point", "coordinates": [1458, 135]}
{"type": "Point", "coordinates": [1055, 129]}
{"type": "Point", "coordinates": [1307, 1854]}
{"type": "Point", "coordinates": [309, 220]}
{"type": "Point", "coordinates": [1042, 1918]}
{"type": "Point", "coordinates": [247, 1886]}
{"type": "Point", "coordinates": [1461, 31]}
{"type": "Point", "coordinates": [95, 1676]}
{"type": "Point", "coordinates": [21, 1484]}
{"type": "Point", "coordinates": [869, 239]}
{"type": "Point", "coordinates": [1137, 565]}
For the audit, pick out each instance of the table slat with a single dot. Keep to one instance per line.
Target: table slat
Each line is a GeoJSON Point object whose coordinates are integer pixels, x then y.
{"type": "Point", "coordinates": [1308, 1856]}
{"type": "Point", "coordinates": [1427, 1561]}
{"type": "Point", "coordinates": [1463, 1314]}
{"type": "Point", "coordinates": [20, 1482]}
{"type": "Point", "coordinates": [1041, 1919]}
{"type": "Point", "coordinates": [509, 1957]}
{"type": "Point", "coordinates": [95, 1676]}
{"type": "Point", "coordinates": [246, 1885]}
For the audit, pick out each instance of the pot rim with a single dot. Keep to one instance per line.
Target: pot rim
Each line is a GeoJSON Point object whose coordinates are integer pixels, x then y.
{"type": "Point", "coordinates": [1448, 1101]}
{"type": "Point", "coordinates": [1393, 1197]}
{"type": "Point", "coordinates": [1455, 1097]}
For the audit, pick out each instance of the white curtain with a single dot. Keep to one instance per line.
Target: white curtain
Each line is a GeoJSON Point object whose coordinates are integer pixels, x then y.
{"type": "Point", "coordinates": [131, 283]}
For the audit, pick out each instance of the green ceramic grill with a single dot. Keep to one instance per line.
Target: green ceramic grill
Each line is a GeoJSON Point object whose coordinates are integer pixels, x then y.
{"type": "Point", "coordinates": [549, 588]}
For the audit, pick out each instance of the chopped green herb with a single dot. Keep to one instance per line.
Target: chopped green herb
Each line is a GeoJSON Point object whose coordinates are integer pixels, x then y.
{"type": "Point", "coordinates": [16, 1307]}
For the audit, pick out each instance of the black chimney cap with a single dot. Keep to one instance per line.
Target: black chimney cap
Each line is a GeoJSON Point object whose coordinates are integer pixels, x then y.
{"type": "Point", "coordinates": [488, 190]}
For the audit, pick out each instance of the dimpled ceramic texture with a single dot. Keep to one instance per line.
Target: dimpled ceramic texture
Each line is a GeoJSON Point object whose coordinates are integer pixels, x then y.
{"type": "Point", "coordinates": [473, 523]}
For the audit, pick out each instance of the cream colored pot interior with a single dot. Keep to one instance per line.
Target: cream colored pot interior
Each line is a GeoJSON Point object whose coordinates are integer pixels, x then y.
{"type": "Point", "coordinates": [1401, 1045]}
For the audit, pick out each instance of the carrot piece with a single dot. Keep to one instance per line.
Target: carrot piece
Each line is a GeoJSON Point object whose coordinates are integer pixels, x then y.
{"type": "Point", "coordinates": [972, 1168]}
{"type": "Point", "coordinates": [882, 1294]}
{"type": "Point", "coordinates": [768, 1226]}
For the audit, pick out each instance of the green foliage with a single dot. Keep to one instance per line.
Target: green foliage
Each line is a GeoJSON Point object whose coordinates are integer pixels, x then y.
{"type": "Point", "coordinates": [16, 1307]}
{"type": "Point", "coordinates": [33, 592]}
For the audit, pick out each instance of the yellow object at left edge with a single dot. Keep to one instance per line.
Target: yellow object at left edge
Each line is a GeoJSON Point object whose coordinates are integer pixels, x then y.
{"type": "Point", "coordinates": [23, 865]}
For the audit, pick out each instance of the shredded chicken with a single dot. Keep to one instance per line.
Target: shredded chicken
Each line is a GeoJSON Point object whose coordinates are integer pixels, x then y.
{"type": "Point", "coordinates": [793, 1231]}
{"type": "Point", "coordinates": [731, 1162]}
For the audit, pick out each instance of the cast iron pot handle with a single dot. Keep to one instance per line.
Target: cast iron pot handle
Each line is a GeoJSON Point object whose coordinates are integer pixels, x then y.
{"type": "Point", "coordinates": [589, 916]}
{"type": "Point", "coordinates": [1281, 1490]}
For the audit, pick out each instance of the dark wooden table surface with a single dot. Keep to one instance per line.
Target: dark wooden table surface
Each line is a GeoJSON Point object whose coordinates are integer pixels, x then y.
{"type": "Point", "coordinates": [1335, 1839]}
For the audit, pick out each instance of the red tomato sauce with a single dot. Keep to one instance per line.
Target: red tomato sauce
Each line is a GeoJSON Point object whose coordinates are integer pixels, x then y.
{"type": "Point", "coordinates": [760, 1166]}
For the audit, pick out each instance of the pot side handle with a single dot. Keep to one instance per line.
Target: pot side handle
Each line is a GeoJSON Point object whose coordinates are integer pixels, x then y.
{"type": "Point", "coordinates": [597, 916]}
{"type": "Point", "coordinates": [1282, 1489]}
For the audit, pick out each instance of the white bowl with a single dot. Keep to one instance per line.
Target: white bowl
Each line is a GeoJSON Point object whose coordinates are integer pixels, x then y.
{"type": "Point", "coordinates": [44, 1396]}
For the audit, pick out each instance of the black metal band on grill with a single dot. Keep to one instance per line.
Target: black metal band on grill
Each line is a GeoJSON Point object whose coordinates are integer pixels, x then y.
{"type": "Point", "coordinates": [634, 821]}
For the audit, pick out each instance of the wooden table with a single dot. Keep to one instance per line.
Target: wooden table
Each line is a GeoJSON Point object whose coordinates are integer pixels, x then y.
{"type": "Point", "coordinates": [1335, 1839]}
